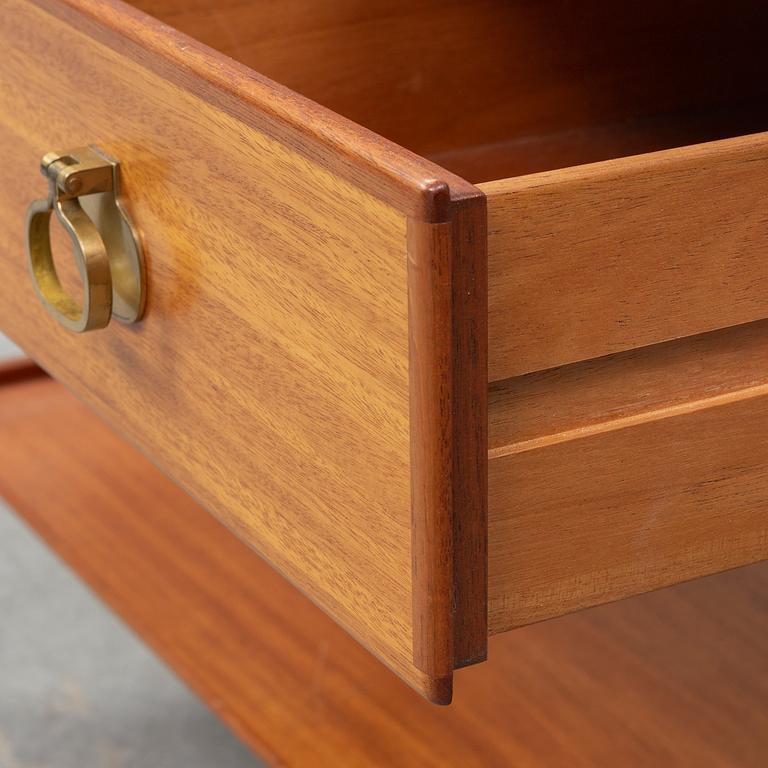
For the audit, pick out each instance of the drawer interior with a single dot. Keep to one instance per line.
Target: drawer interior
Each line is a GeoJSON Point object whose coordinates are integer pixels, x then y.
{"type": "Point", "coordinates": [498, 88]}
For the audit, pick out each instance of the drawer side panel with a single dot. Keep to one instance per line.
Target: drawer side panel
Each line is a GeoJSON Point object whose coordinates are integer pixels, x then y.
{"type": "Point", "coordinates": [592, 260]}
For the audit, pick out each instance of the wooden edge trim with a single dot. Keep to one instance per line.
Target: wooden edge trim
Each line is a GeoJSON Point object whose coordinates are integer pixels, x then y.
{"type": "Point", "coordinates": [429, 352]}
{"type": "Point", "coordinates": [447, 301]}
{"type": "Point", "coordinates": [376, 165]}
{"type": "Point", "coordinates": [705, 155]}
{"type": "Point", "coordinates": [19, 370]}
{"type": "Point", "coordinates": [470, 429]}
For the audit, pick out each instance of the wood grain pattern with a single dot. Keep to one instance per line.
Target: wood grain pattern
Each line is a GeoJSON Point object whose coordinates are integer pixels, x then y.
{"type": "Point", "coordinates": [618, 476]}
{"type": "Point", "coordinates": [271, 376]}
{"type": "Point", "coordinates": [446, 279]}
{"type": "Point", "coordinates": [470, 397]}
{"type": "Point", "coordinates": [616, 255]}
{"type": "Point", "coordinates": [429, 298]}
{"type": "Point", "coordinates": [510, 68]}
{"type": "Point", "coordinates": [370, 162]}
{"type": "Point", "coordinates": [678, 677]}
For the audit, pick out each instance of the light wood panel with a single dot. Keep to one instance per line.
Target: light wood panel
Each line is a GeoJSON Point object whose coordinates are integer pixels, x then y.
{"type": "Point", "coordinates": [678, 677]}
{"type": "Point", "coordinates": [601, 258]}
{"type": "Point", "coordinates": [436, 76]}
{"type": "Point", "coordinates": [280, 375]}
{"type": "Point", "coordinates": [627, 388]}
{"type": "Point", "coordinates": [622, 475]}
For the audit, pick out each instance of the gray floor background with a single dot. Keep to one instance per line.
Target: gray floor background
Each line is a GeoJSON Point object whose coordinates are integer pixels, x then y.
{"type": "Point", "coordinates": [77, 688]}
{"type": "Point", "coordinates": [7, 349]}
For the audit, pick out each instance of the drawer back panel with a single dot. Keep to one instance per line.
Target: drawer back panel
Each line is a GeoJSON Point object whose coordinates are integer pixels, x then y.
{"type": "Point", "coordinates": [627, 473]}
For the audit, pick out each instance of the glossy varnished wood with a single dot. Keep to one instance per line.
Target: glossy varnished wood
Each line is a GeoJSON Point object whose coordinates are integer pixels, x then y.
{"type": "Point", "coordinates": [620, 475]}
{"type": "Point", "coordinates": [678, 677]}
{"type": "Point", "coordinates": [592, 260]}
{"type": "Point", "coordinates": [289, 373]}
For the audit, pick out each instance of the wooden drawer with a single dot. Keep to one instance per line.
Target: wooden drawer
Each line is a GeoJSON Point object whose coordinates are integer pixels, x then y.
{"type": "Point", "coordinates": [553, 219]}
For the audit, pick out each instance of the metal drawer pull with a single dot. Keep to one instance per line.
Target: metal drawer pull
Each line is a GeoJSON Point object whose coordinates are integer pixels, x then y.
{"type": "Point", "coordinates": [84, 192]}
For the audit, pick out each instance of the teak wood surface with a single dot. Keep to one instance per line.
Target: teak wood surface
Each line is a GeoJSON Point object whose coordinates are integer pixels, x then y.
{"type": "Point", "coordinates": [442, 77]}
{"type": "Point", "coordinates": [616, 476]}
{"type": "Point", "coordinates": [315, 294]}
{"type": "Point", "coordinates": [313, 365]}
{"type": "Point", "coordinates": [678, 677]}
{"type": "Point", "coordinates": [597, 259]}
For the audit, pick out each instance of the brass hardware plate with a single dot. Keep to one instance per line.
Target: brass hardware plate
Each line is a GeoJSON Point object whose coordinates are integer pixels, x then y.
{"type": "Point", "coordinates": [84, 193]}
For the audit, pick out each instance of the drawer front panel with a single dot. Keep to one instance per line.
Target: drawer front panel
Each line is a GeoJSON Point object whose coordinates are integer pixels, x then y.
{"type": "Point", "coordinates": [273, 374]}
{"type": "Point", "coordinates": [600, 258]}
{"type": "Point", "coordinates": [618, 476]}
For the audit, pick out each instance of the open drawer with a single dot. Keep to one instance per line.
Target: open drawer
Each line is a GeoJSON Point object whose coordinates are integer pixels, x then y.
{"type": "Point", "coordinates": [549, 217]}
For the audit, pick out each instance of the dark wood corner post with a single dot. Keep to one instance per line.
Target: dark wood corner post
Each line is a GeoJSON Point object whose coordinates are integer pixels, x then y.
{"type": "Point", "coordinates": [448, 317]}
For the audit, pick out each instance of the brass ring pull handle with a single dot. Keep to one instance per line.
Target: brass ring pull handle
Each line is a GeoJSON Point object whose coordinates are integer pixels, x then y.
{"type": "Point", "coordinates": [83, 192]}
